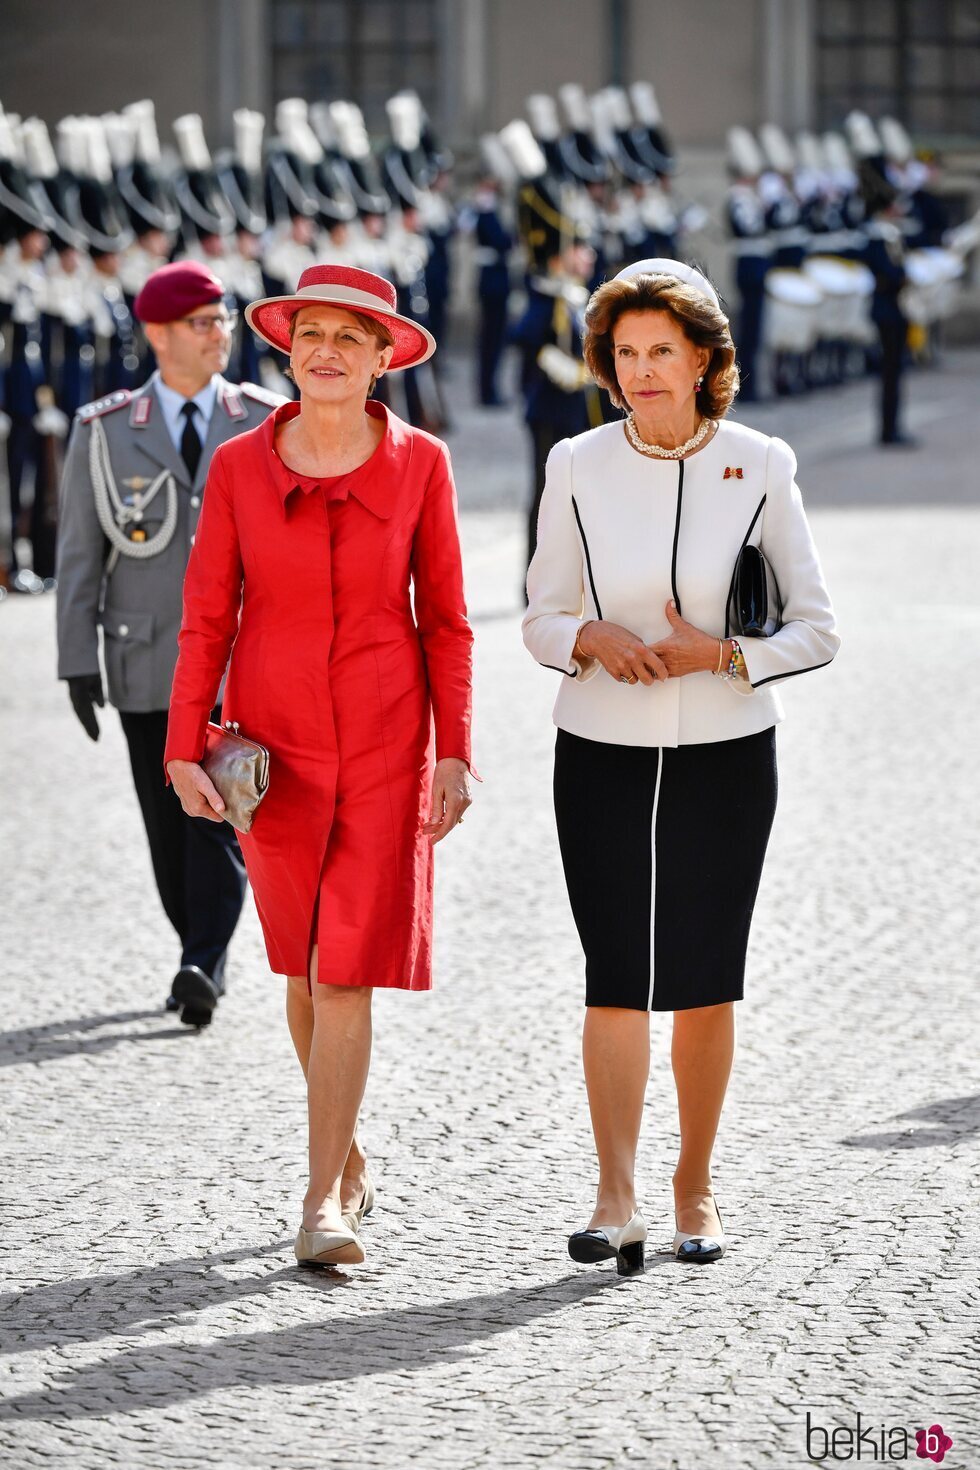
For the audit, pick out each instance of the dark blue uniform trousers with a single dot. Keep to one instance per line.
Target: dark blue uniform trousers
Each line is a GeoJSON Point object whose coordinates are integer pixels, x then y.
{"type": "Point", "coordinates": [198, 864]}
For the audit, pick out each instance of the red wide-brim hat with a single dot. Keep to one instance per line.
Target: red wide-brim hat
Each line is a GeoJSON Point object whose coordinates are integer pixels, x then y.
{"type": "Point", "coordinates": [342, 285]}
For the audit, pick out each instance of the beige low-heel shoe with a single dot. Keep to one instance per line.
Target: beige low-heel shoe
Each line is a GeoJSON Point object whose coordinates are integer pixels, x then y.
{"type": "Point", "coordinates": [328, 1248]}
{"type": "Point", "coordinates": [353, 1219]}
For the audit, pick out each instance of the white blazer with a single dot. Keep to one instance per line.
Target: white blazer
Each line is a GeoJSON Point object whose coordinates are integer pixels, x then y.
{"type": "Point", "coordinates": [619, 534]}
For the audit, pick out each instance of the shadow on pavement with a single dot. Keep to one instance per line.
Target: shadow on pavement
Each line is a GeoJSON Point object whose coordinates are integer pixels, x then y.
{"type": "Point", "coordinates": [956, 1117]}
{"type": "Point", "coordinates": [87, 1308]}
{"type": "Point", "coordinates": [75, 1038]}
{"type": "Point", "coordinates": [311, 1353]}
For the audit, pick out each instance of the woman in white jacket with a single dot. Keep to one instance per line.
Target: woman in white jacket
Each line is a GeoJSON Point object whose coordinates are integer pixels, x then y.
{"type": "Point", "coordinates": [665, 768]}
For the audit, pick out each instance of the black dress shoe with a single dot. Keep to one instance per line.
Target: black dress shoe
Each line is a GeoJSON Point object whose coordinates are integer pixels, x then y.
{"type": "Point", "coordinates": [196, 993]}
{"type": "Point", "coordinates": [173, 1004]}
{"type": "Point", "coordinates": [190, 1016]}
{"type": "Point", "coordinates": [900, 441]}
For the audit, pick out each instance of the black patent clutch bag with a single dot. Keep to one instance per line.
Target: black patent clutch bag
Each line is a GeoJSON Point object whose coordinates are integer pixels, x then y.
{"type": "Point", "coordinates": [239, 770]}
{"type": "Point", "coordinates": [755, 607]}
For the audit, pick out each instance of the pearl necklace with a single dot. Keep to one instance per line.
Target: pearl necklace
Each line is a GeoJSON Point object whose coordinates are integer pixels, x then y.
{"type": "Point", "coordinates": [657, 451]}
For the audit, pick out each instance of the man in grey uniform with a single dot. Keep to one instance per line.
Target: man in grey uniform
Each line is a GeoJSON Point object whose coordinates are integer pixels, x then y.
{"type": "Point", "coordinates": [130, 500]}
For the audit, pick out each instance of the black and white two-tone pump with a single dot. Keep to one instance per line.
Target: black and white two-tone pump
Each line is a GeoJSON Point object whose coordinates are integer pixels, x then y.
{"type": "Point", "coordinates": [700, 1249]}
{"type": "Point", "coordinates": [625, 1242]}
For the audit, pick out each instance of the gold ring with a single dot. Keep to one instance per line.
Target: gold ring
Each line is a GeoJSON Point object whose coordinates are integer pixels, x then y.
{"type": "Point", "coordinates": [459, 821]}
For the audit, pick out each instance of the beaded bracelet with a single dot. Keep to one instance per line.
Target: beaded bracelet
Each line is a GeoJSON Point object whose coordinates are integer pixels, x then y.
{"type": "Point", "coordinates": [736, 664]}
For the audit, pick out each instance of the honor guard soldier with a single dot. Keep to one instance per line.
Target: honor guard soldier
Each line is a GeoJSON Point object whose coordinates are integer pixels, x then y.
{"type": "Point", "coordinates": [24, 224]}
{"type": "Point", "coordinates": [885, 257]}
{"type": "Point", "coordinates": [292, 198]}
{"type": "Point", "coordinates": [68, 328]}
{"type": "Point", "coordinates": [240, 175]}
{"type": "Point", "coordinates": [131, 496]}
{"type": "Point", "coordinates": [560, 399]}
{"type": "Point", "coordinates": [784, 211]}
{"type": "Point", "coordinates": [753, 251]}
{"type": "Point", "coordinates": [149, 200]}
{"type": "Point", "coordinates": [440, 221]}
{"type": "Point", "coordinates": [484, 219]}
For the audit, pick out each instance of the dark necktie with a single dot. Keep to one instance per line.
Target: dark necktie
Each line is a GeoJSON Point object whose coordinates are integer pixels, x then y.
{"type": "Point", "coordinates": [190, 443]}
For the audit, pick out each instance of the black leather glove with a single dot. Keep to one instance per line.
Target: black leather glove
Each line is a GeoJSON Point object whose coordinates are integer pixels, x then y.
{"type": "Point", "coordinates": [85, 692]}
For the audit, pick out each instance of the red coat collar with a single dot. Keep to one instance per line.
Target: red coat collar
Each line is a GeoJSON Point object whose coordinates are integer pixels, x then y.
{"type": "Point", "coordinates": [376, 483]}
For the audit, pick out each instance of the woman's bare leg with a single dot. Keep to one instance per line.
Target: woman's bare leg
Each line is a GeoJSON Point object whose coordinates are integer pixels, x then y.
{"type": "Point", "coordinates": [300, 1020]}
{"type": "Point", "coordinates": [702, 1052]}
{"type": "Point", "coordinates": [340, 1055]}
{"type": "Point", "coordinates": [616, 1054]}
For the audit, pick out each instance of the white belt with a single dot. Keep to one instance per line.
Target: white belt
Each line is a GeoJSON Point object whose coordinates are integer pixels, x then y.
{"type": "Point", "coordinates": [793, 235]}
{"type": "Point", "coordinates": [753, 245]}
{"type": "Point", "coordinates": [486, 255]}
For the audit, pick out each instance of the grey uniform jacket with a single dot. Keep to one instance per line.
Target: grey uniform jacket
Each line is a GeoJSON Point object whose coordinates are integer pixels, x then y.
{"type": "Point", "coordinates": [137, 603]}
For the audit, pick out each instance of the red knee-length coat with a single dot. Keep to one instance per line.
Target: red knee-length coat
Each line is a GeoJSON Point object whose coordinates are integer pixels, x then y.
{"type": "Point", "coordinates": [309, 586]}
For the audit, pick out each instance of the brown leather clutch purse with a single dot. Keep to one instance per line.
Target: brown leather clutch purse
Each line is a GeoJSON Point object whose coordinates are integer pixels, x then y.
{"type": "Point", "coordinates": [239, 769]}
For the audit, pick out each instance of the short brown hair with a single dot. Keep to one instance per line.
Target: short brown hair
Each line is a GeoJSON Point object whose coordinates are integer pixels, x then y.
{"type": "Point", "coordinates": [369, 324]}
{"type": "Point", "coordinates": [701, 321]}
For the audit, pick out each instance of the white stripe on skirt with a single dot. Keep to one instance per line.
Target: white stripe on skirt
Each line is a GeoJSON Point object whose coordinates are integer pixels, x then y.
{"type": "Point", "coordinates": [653, 870]}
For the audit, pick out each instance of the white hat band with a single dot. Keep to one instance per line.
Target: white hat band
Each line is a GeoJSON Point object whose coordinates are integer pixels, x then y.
{"type": "Point", "coordinates": [686, 274]}
{"type": "Point", "coordinates": [349, 295]}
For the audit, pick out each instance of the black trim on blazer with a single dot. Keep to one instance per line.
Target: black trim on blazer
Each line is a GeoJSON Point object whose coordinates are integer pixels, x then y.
{"type": "Point", "coordinates": [588, 560]}
{"type": "Point", "coordinates": [677, 533]}
{"type": "Point", "coordinates": [567, 672]}
{"type": "Point", "coordinates": [731, 585]}
{"type": "Point", "coordinates": [793, 672]}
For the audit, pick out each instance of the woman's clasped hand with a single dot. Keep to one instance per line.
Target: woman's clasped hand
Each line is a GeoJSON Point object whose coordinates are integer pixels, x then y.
{"type": "Point", "coordinates": [686, 650]}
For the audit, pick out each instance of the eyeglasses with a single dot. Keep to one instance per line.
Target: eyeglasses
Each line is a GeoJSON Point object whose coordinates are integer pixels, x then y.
{"type": "Point", "coordinates": [204, 324]}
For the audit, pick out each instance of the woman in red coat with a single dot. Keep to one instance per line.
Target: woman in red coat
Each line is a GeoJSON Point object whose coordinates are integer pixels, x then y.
{"type": "Point", "coordinates": [318, 531]}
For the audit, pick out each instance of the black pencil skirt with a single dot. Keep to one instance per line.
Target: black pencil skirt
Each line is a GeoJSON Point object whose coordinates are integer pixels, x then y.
{"type": "Point", "coordinates": [663, 851]}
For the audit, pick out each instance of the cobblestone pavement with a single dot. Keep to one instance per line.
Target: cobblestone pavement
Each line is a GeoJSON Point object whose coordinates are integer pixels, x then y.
{"type": "Point", "coordinates": [152, 1315]}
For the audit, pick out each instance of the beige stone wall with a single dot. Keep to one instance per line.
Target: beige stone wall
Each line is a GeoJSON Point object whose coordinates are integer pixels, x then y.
{"type": "Point", "coordinates": [209, 56]}
{"type": "Point", "coordinates": [94, 56]}
{"type": "Point", "coordinates": [97, 55]}
{"type": "Point", "coordinates": [536, 45]}
{"type": "Point", "coordinates": [706, 61]}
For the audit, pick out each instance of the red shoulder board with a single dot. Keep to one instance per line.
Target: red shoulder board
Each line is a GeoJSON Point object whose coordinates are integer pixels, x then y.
{"type": "Point", "coordinates": [258, 394]}
{"type": "Point", "coordinates": [108, 404]}
{"type": "Point", "coordinates": [232, 404]}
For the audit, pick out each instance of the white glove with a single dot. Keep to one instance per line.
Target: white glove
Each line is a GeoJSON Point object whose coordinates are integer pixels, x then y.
{"type": "Point", "coordinates": [52, 421]}
{"type": "Point", "coordinates": [564, 371]}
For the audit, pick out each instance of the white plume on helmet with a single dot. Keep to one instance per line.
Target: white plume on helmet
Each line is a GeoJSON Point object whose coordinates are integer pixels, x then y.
{"type": "Point", "coordinates": [191, 142]}
{"type": "Point", "coordinates": [523, 149]}
{"type": "Point", "coordinates": [293, 128]}
{"type": "Point", "coordinates": [39, 155]}
{"type": "Point", "coordinates": [542, 111]}
{"type": "Point", "coordinates": [144, 119]}
{"type": "Point", "coordinates": [249, 128]}
{"type": "Point", "coordinates": [405, 120]}
{"type": "Point", "coordinates": [645, 104]}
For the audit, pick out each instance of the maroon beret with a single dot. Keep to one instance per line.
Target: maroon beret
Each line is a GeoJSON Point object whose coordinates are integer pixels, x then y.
{"type": "Point", "coordinates": [176, 290]}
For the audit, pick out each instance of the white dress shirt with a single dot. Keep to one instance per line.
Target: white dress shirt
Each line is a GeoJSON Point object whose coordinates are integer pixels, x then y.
{"type": "Point", "coordinates": [620, 534]}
